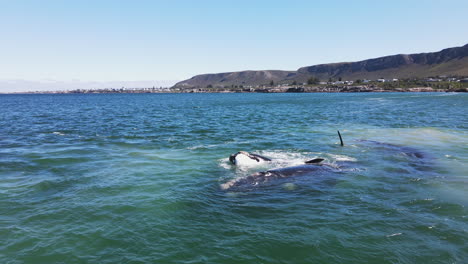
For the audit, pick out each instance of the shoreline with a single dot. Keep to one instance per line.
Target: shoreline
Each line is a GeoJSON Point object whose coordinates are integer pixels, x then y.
{"type": "Point", "coordinates": [302, 89]}
{"type": "Point", "coordinates": [298, 89]}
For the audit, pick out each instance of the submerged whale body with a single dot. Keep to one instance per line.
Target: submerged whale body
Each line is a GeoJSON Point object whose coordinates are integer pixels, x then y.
{"type": "Point", "coordinates": [269, 175]}
{"type": "Point", "coordinates": [407, 151]}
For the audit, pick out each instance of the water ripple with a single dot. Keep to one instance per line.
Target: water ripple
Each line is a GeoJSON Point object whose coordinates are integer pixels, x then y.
{"type": "Point", "coordinates": [135, 178]}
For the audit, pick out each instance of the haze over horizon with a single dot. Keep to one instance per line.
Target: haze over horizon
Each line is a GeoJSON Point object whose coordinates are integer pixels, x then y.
{"type": "Point", "coordinates": [55, 45]}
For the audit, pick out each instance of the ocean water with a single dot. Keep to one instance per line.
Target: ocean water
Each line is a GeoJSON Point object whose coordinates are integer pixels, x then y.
{"type": "Point", "coordinates": [135, 178]}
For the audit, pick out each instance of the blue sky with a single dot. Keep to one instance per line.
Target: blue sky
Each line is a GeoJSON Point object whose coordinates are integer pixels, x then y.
{"type": "Point", "coordinates": [162, 41]}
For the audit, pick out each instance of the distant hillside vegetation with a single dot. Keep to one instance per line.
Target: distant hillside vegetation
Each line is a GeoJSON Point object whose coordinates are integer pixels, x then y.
{"type": "Point", "coordinates": [236, 78]}
{"type": "Point", "coordinates": [450, 62]}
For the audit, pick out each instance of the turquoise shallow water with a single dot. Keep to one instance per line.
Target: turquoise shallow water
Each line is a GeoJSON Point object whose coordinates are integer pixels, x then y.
{"type": "Point", "coordinates": [136, 178]}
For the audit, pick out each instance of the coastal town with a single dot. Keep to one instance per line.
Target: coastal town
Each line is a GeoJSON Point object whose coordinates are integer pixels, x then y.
{"type": "Point", "coordinates": [313, 85]}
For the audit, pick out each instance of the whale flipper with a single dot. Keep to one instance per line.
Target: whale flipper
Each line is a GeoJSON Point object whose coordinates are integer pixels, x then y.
{"type": "Point", "coordinates": [341, 139]}
{"type": "Point", "coordinates": [259, 157]}
{"type": "Point", "coordinates": [313, 161]}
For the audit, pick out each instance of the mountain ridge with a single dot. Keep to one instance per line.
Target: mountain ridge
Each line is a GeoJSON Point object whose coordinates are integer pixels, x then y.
{"type": "Point", "coordinates": [449, 61]}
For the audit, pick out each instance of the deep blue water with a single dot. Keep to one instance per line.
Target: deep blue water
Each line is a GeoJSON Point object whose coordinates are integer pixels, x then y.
{"type": "Point", "coordinates": [135, 178]}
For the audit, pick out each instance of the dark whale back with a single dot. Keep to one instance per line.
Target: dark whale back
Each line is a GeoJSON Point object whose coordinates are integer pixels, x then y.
{"type": "Point", "coordinates": [297, 170]}
{"type": "Point", "coordinates": [270, 175]}
{"type": "Point", "coordinates": [408, 151]}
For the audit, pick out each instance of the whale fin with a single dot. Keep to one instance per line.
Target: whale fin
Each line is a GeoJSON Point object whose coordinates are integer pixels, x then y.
{"type": "Point", "coordinates": [313, 161]}
{"type": "Point", "coordinates": [259, 157]}
{"type": "Point", "coordinates": [341, 139]}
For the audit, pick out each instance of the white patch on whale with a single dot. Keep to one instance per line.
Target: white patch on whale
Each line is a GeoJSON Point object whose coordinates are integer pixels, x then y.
{"type": "Point", "coordinates": [244, 160]}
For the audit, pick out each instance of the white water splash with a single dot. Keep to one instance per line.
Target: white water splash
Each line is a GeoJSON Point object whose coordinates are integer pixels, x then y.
{"type": "Point", "coordinates": [396, 234]}
{"type": "Point", "coordinates": [342, 158]}
{"type": "Point", "coordinates": [282, 159]}
{"type": "Point", "coordinates": [209, 146]}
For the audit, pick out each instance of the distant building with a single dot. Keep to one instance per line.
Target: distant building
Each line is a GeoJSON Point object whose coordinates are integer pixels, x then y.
{"type": "Point", "coordinates": [382, 80]}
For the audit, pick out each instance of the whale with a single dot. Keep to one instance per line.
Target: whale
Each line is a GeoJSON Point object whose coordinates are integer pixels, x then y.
{"type": "Point", "coordinates": [310, 167]}
{"type": "Point", "coordinates": [245, 158]}
{"type": "Point", "coordinates": [262, 177]}
{"type": "Point", "coordinates": [394, 148]}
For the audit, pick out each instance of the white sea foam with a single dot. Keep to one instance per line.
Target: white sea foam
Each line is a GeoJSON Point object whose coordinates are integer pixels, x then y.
{"type": "Point", "coordinates": [342, 158]}
{"type": "Point", "coordinates": [202, 146]}
{"type": "Point", "coordinates": [224, 163]}
{"type": "Point", "coordinates": [282, 159]}
{"type": "Point", "coordinates": [396, 234]}
{"type": "Point", "coordinates": [447, 94]}
{"type": "Point", "coordinates": [279, 159]}
{"type": "Point", "coordinates": [378, 99]}
{"type": "Point", "coordinates": [58, 133]}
